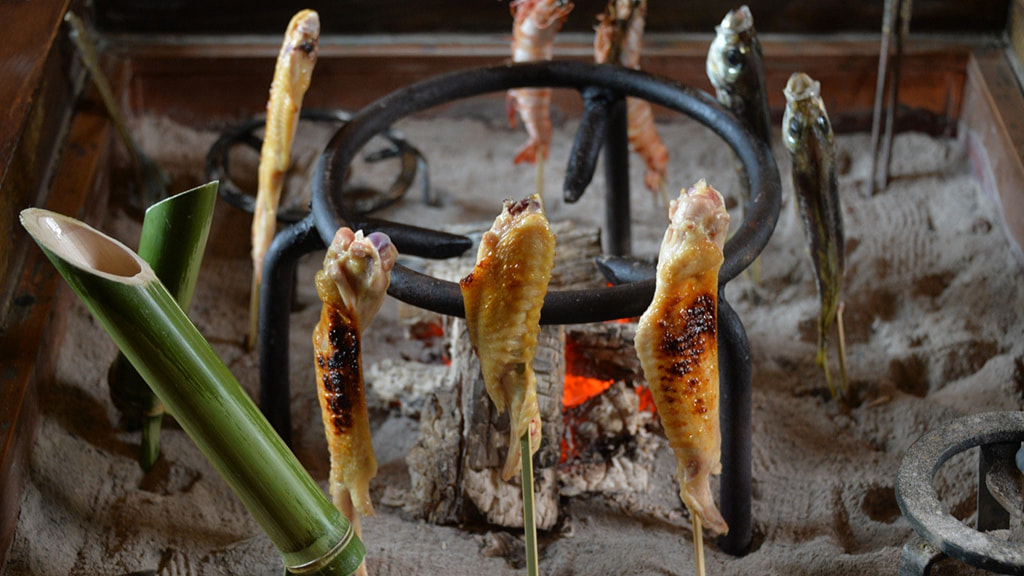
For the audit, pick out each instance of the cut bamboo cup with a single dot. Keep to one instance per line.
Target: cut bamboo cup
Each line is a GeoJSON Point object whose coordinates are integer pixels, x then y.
{"type": "Point", "coordinates": [138, 312]}
{"type": "Point", "coordinates": [173, 239]}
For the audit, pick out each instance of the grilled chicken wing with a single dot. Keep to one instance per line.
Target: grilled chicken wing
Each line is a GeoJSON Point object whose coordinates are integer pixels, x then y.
{"type": "Point", "coordinates": [503, 297]}
{"type": "Point", "coordinates": [676, 341]}
{"type": "Point", "coordinates": [352, 285]}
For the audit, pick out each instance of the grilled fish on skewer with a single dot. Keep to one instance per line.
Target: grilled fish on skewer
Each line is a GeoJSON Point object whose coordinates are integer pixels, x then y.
{"type": "Point", "coordinates": [807, 134]}
{"type": "Point", "coordinates": [736, 69]}
{"type": "Point", "coordinates": [676, 341]}
{"type": "Point", "coordinates": [533, 34]}
{"type": "Point", "coordinates": [352, 285]}
{"type": "Point", "coordinates": [619, 39]}
{"type": "Point", "coordinates": [292, 75]}
{"type": "Point", "coordinates": [503, 297]}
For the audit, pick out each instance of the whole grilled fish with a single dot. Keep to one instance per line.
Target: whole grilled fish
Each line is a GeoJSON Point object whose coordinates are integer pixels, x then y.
{"type": "Point", "coordinates": [293, 73]}
{"type": "Point", "coordinates": [677, 343]}
{"type": "Point", "coordinates": [503, 297]}
{"type": "Point", "coordinates": [352, 286]}
{"type": "Point", "coordinates": [736, 69]}
{"type": "Point", "coordinates": [807, 134]}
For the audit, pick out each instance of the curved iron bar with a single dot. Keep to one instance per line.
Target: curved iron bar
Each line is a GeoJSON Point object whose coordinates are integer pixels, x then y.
{"type": "Point", "coordinates": [217, 165]}
{"type": "Point", "coordinates": [735, 408]}
{"type": "Point", "coordinates": [276, 291]}
{"type": "Point", "coordinates": [935, 526]}
{"type": "Point", "coordinates": [565, 306]}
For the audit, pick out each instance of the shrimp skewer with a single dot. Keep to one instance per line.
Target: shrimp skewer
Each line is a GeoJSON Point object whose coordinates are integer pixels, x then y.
{"type": "Point", "coordinates": [535, 23]}
{"type": "Point", "coordinates": [292, 75]}
{"type": "Point", "coordinates": [619, 38]}
{"type": "Point", "coordinates": [807, 134]}
{"type": "Point", "coordinates": [676, 341]}
{"type": "Point", "coordinates": [352, 285]}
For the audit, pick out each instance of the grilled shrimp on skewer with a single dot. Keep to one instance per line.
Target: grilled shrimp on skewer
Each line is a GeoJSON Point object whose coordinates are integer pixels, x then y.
{"type": "Point", "coordinates": [535, 23]}
{"type": "Point", "coordinates": [807, 134]}
{"type": "Point", "coordinates": [292, 75]}
{"type": "Point", "coordinates": [676, 341]}
{"type": "Point", "coordinates": [352, 285]}
{"type": "Point", "coordinates": [503, 296]}
{"type": "Point", "coordinates": [619, 39]}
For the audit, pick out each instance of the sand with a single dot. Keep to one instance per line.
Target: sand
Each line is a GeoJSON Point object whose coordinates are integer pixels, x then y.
{"type": "Point", "coordinates": [934, 305]}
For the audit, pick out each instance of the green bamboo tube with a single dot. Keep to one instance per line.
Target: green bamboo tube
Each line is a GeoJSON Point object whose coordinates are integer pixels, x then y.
{"type": "Point", "coordinates": [149, 327]}
{"type": "Point", "coordinates": [174, 233]}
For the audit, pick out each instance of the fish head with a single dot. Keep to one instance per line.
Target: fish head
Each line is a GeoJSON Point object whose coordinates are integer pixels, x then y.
{"type": "Point", "coordinates": [302, 41]}
{"type": "Point", "coordinates": [699, 209]}
{"type": "Point", "coordinates": [805, 117]}
{"type": "Point", "coordinates": [731, 53]}
{"type": "Point", "coordinates": [359, 268]}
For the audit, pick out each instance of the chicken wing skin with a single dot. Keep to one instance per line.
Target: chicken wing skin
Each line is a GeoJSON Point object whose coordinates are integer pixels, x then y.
{"type": "Point", "coordinates": [503, 297]}
{"type": "Point", "coordinates": [676, 341]}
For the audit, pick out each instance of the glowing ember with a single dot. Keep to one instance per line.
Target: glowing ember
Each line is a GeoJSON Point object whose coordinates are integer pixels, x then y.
{"type": "Point", "coordinates": [579, 389]}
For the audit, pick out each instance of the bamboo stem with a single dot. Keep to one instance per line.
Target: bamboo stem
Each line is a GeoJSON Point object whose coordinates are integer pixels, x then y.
{"type": "Point", "coordinates": [151, 330]}
{"type": "Point", "coordinates": [529, 521]}
{"type": "Point", "coordinates": [173, 239]}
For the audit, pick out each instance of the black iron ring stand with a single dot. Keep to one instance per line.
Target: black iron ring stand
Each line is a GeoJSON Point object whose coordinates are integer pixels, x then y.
{"type": "Point", "coordinates": [938, 533]}
{"type": "Point", "coordinates": [603, 125]}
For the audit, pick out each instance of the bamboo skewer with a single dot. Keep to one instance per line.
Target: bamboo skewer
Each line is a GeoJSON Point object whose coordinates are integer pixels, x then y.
{"type": "Point", "coordinates": [895, 28]}
{"type": "Point", "coordinates": [529, 518]}
{"type": "Point", "coordinates": [698, 542]}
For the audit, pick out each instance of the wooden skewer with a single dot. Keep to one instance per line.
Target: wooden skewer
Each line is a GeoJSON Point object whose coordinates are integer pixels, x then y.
{"type": "Point", "coordinates": [698, 542]}
{"type": "Point", "coordinates": [895, 24]}
{"type": "Point", "coordinates": [529, 521]}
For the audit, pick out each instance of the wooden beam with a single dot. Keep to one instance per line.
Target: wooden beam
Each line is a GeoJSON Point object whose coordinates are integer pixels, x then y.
{"type": "Point", "coordinates": [34, 327]}
{"type": "Point", "coordinates": [235, 76]}
{"type": "Point", "coordinates": [993, 127]}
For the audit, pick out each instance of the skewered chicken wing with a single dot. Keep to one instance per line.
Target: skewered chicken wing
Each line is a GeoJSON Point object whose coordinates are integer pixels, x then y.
{"type": "Point", "coordinates": [676, 341]}
{"type": "Point", "coordinates": [503, 297]}
{"type": "Point", "coordinates": [352, 285]}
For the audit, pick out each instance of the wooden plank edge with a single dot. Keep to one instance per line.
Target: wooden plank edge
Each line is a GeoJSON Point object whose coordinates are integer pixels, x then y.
{"type": "Point", "coordinates": [35, 326]}
{"type": "Point", "coordinates": [992, 128]}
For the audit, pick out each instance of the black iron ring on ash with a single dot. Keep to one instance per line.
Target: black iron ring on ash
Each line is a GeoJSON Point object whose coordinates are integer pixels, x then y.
{"type": "Point", "coordinates": [999, 436]}
{"type": "Point", "coordinates": [603, 125]}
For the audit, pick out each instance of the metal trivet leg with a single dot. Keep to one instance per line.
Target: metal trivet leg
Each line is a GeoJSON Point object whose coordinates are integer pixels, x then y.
{"type": "Point", "coordinates": [999, 435]}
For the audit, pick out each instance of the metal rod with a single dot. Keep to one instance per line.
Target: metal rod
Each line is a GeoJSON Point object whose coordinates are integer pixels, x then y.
{"type": "Point", "coordinates": [735, 409]}
{"type": "Point", "coordinates": [586, 147]}
{"type": "Point", "coordinates": [617, 228]}
{"type": "Point", "coordinates": [991, 514]}
{"type": "Point", "coordinates": [276, 294]}
{"type": "Point", "coordinates": [919, 502]}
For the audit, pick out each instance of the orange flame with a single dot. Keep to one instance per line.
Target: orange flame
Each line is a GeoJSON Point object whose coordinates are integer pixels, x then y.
{"type": "Point", "coordinates": [579, 389]}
